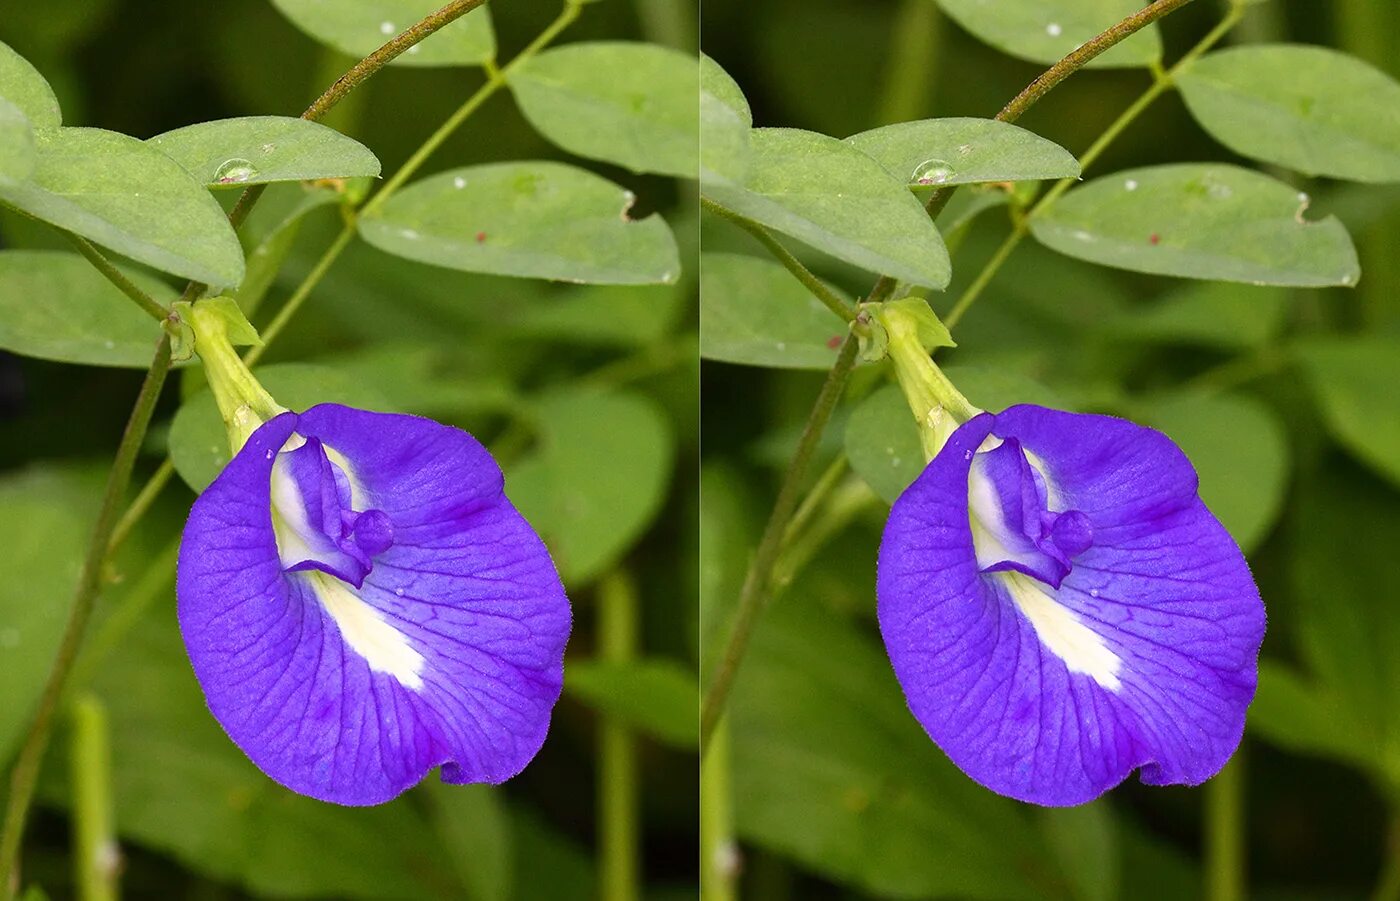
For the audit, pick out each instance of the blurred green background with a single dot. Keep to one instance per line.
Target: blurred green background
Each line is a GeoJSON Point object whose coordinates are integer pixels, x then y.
{"type": "Point", "coordinates": [588, 396]}
{"type": "Point", "coordinates": [1287, 400]}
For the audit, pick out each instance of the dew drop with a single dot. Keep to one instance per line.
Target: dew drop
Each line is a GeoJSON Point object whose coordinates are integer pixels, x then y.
{"type": "Point", "coordinates": [459, 182]}
{"type": "Point", "coordinates": [1093, 592]}
{"type": "Point", "coordinates": [933, 172]}
{"type": "Point", "coordinates": [398, 591]}
{"type": "Point", "coordinates": [234, 171]}
{"type": "Point", "coordinates": [409, 234]}
{"type": "Point", "coordinates": [1054, 29]}
{"type": "Point", "coordinates": [109, 344]}
{"type": "Point", "coordinates": [1348, 279]}
{"type": "Point", "coordinates": [1130, 185]}
{"type": "Point", "coordinates": [414, 49]}
{"type": "Point", "coordinates": [1303, 197]}
{"type": "Point", "coordinates": [386, 28]}
{"type": "Point", "coordinates": [1081, 235]}
{"type": "Point", "coordinates": [268, 455]}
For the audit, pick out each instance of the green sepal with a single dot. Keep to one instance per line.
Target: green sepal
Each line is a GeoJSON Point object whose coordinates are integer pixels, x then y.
{"type": "Point", "coordinates": [236, 327]}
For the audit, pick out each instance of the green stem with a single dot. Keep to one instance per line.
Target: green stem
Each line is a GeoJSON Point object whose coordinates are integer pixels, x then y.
{"type": "Point", "coordinates": [95, 859]}
{"type": "Point", "coordinates": [141, 504]}
{"type": "Point", "coordinates": [799, 548]}
{"type": "Point", "coordinates": [820, 291]}
{"type": "Point", "coordinates": [758, 580]}
{"type": "Point", "coordinates": [1388, 885]}
{"type": "Point", "coordinates": [718, 847]}
{"type": "Point", "coordinates": [811, 504]}
{"type": "Point", "coordinates": [155, 583]}
{"type": "Point", "coordinates": [31, 755]}
{"type": "Point", "coordinates": [1225, 832]}
{"type": "Point", "coordinates": [618, 810]}
{"type": "Point", "coordinates": [984, 278]}
{"type": "Point", "coordinates": [912, 61]}
{"type": "Point", "coordinates": [302, 292]}
{"type": "Point", "coordinates": [149, 305]}
{"type": "Point", "coordinates": [668, 22]}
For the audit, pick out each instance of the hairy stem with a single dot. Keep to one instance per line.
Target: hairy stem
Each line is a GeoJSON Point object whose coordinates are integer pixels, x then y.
{"type": "Point", "coordinates": [829, 298]}
{"type": "Point", "coordinates": [31, 755]}
{"type": "Point", "coordinates": [148, 304]}
{"type": "Point", "coordinates": [758, 580]}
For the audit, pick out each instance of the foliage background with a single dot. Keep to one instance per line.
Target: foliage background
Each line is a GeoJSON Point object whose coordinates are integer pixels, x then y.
{"type": "Point", "coordinates": [835, 792]}
{"type": "Point", "coordinates": [196, 819]}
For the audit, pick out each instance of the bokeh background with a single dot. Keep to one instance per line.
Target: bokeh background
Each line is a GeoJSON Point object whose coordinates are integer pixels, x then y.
{"type": "Point", "coordinates": [825, 787]}
{"type": "Point", "coordinates": [588, 396]}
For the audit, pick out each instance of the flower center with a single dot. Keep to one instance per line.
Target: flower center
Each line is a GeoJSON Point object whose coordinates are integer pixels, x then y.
{"type": "Point", "coordinates": [314, 519]}
{"type": "Point", "coordinates": [1013, 527]}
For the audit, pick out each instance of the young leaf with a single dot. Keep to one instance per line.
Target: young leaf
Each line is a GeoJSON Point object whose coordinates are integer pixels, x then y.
{"type": "Point", "coordinates": [23, 86]}
{"type": "Point", "coordinates": [199, 444]}
{"type": "Point", "coordinates": [531, 219]}
{"type": "Point", "coordinates": [627, 103]}
{"type": "Point", "coordinates": [359, 27]}
{"type": "Point", "coordinates": [1312, 109]}
{"type": "Point", "coordinates": [16, 144]}
{"type": "Point", "coordinates": [1355, 380]}
{"type": "Point", "coordinates": [1045, 31]}
{"type": "Point", "coordinates": [1200, 220]}
{"type": "Point", "coordinates": [936, 152]}
{"type": "Point", "coordinates": [832, 196]}
{"type": "Point", "coordinates": [55, 306]}
{"type": "Point", "coordinates": [1225, 437]}
{"type": "Point", "coordinates": [656, 696]}
{"type": "Point", "coordinates": [128, 196]}
{"type": "Point", "coordinates": [597, 479]}
{"type": "Point", "coordinates": [752, 311]}
{"type": "Point", "coordinates": [260, 149]}
{"type": "Point", "coordinates": [725, 121]}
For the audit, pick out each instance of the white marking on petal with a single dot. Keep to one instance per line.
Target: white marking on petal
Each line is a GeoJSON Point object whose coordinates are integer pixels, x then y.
{"type": "Point", "coordinates": [1081, 648]}
{"type": "Point", "coordinates": [359, 498]}
{"type": "Point", "coordinates": [289, 523]}
{"type": "Point", "coordinates": [384, 648]}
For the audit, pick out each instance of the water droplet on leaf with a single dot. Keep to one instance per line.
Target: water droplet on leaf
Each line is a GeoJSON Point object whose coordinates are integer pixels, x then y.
{"type": "Point", "coordinates": [234, 171]}
{"type": "Point", "coordinates": [459, 182]}
{"type": "Point", "coordinates": [933, 172]}
{"type": "Point", "coordinates": [1130, 185]}
{"type": "Point", "coordinates": [1054, 29]}
{"type": "Point", "coordinates": [386, 28]}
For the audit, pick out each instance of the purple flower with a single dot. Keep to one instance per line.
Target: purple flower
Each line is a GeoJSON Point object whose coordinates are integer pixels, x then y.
{"type": "Point", "coordinates": [1061, 608]}
{"type": "Point", "coordinates": [362, 604]}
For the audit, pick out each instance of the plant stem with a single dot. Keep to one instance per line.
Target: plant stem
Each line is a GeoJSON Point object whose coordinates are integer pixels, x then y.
{"type": "Point", "coordinates": [95, 856]}
{"type": "Point", "coordinates": [140, 504]}
{"type": "Point", "coordinates": [149, 305]}
{"type": "Point", "coordinates": [718, 849]}
{"type": "Point", "coordinates": [1224, 851]}
{"type": "Point", "coordinates": [758, 580]}
{"type": "Point", "coordinates": [912, 62]}
{"type": "Point", "coordinates": [31, 755]}
{"type": "Point", "coordinates": [302, 292]}
{"type": "Point", "coordinates": [1036, 90]}
{"type": "Point", "coordinates": [618, 870]}
{"type": "Point", "coordinates": [984, 278]}
{"type": "Point", "coordinates": [820, 291]}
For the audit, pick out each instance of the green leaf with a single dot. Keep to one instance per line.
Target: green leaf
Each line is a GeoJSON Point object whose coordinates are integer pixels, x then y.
{"type": "Point", "coordinates": [360, 27]}
{"type": "Point", "coordinates": [1312, 109]}
{"type": "Point", "coordinates": [46, 514]}
{"type": "Point", "coordinates": [933, 153]}
{"type": "Point", "coordinates": [55, 306]}
{"type": "Point", "coordinates": [596, 480]}
{"type": "Point", "coordinates": [23, 86]}
{"type": "Point", "coordinates": [611, 315]}
{"type": "Point", "coordinates": [1045, 31]}
{"type": "Point", "coordinates": [1200, 220]}
{"type": "Point", "coordinates": [199, 444]}
{"type": "Point", "coordinates": [534, 220]}
{"type": "Point", "coordinates": [1294, 713]}
{"type": "Point", "coordinates": [256, 150]}
{"type": "Point", "coordinates": [1084, 840]}
{"type": "Point", "coordinates": [828, 194]}
{"type": "Point", "coordinates": [831, 770]}
{"type": "Point", "coordinates": [627, 103]}
{"type": "Point", "coordinates": [474, 825]}
{"type": "Point", "coordinates": [753, 311]}
{"type": "Point", "coordinates": [1215, 314]}
{"type": "Point", "coordinates": [725, 121]}
{"type": "Point", "coordinates": [184, 789]}
{"type": "Point", "coordinates": [1355, 380]}
{"type": "Point", "coordinates": [17, 155]}
{"type": "Point", "coordinates": [128, 196]}
{"type": "Point", "coordinates": [1226, 437]}
{"type": "Point", "coordinates": [655, 696]}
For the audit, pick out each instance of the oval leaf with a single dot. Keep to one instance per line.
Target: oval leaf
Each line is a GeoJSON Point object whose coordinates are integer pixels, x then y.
{"type": "Point", "coordinates": [260, 149]}
{"type": "Point", "coordinates": [937, 152]}
{"type": "Point", "coordinates": [725, 120]}
{"type": "Point", "coordinates": [55, 306]}
{"type": "Point", "coordinates": [17, 155]}
{"type": "Point", "coordinates": [23, 86]}
{"type": "Point", "coordinates": [1227, 437]}
{"type": "Point", "coordinates": [832, 196]}
{"type": "Point", "coordinates": [533, 219]}
{"type": "Point", "coordinates": [1045, 31]}
{"type": "Point", "coordinates": [128, 196]}
{"type": "Point", "coordinates": [1355, 381]}
{"type": "Point", "coordinates": [597, 479]}
{"type": "Point", "coordinates": [199, 445]}
{"type": "Point", "coordinates": [1200, 220]}
{"type": "Point", "coordinates": [1312, 109]}
{"type": "Point", "coordinates": [360, 27]}
{"type": "Point", "coordinates": [626, 103]}
{"type": "Point", "coordinates": [752, 311]}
